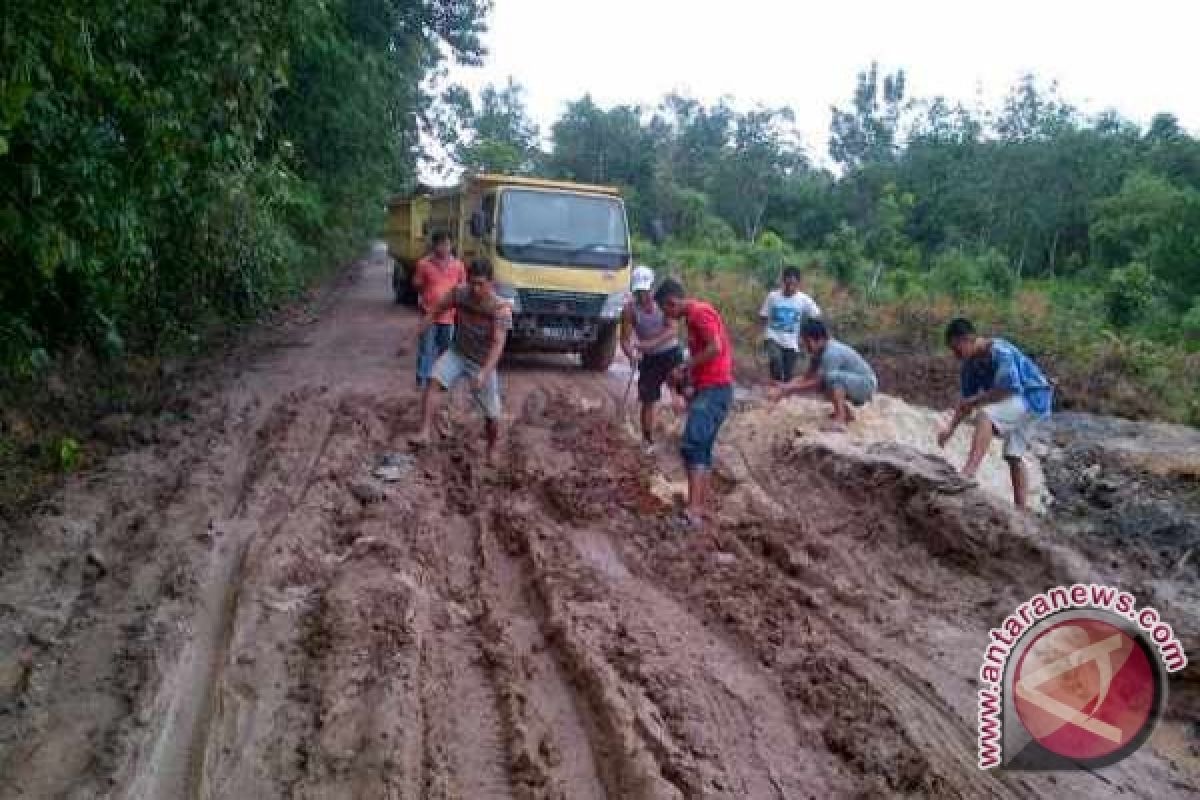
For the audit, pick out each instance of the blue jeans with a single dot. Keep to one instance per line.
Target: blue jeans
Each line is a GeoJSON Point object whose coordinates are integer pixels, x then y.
{"type": "Point", "coordinates": [430, 347]}
{"type": "Point", "coordinates": [706, 414]}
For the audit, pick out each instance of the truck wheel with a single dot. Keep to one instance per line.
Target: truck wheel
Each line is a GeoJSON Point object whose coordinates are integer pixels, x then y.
{"type": "Point", "coordinates": [402, 285]}
{"type": "Point", "coordinates": [599, 355]}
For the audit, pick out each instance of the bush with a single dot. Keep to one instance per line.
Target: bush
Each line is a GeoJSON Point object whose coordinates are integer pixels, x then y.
{"type": "Point", "coordinates": [967, 276]}
{"type": "Point", "coordinates": [846, 255]}
{"type": "Point", "coordinates": [1189, 324]}
{"type": "Point", "coordinates": [1129, 293]}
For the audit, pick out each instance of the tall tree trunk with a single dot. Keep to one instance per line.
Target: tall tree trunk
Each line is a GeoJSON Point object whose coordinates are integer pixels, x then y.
{"type": "Point", "coordinates": [1053, 252]}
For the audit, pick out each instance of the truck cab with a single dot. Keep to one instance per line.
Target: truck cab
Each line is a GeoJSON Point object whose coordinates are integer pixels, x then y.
{"type": "Point", "coordinates": [560, 252]}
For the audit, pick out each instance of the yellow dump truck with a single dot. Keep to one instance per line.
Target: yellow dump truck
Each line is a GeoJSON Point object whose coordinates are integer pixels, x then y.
{"type": "Point", "coordinates": [560, 252]}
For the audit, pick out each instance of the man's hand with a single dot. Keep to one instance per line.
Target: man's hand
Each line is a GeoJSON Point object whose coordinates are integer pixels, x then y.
{"type": "Point", "coordinates": [774, 394]}
{"type": "Point", "coordinates": [478, 382]}
{"type": "Point", "coordinates": [425, 325]}
{"type": "Point", "coordinates": [944, 436]}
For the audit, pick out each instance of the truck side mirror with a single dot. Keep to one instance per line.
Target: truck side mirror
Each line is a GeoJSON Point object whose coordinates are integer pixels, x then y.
{"type": "Point", "coordinates": [478, 224]}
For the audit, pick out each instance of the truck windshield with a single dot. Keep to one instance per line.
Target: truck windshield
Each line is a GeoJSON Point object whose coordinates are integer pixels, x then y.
{"type": "Point", "coordinates": [569, 230]}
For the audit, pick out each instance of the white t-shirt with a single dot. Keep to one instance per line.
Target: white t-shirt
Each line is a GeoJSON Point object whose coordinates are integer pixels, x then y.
{"type": "Point", "coordinates": [785, 315]}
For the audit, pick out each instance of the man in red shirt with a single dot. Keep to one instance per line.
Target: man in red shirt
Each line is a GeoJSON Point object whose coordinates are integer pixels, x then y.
{"type": "Point", "coordinates": [435, 277]}
{"type": "Point", "coordinates": [708, 372]}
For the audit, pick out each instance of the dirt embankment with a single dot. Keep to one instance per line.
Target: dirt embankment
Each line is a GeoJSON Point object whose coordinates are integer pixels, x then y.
{"type": "Point", "coordinates": [241, 610]}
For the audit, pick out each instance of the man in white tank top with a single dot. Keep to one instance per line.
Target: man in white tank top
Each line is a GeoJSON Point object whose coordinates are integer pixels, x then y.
{"type": "Point", "coordinates": [651, 344]}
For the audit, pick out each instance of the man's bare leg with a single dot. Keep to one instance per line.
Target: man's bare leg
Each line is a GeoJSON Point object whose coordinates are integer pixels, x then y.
{"type": "Point", "coordinates": [980, 442]}
{"type": "Point", "coordinates": [431, 399]}
{"type": "Point", "coordinates": [491, 430]}
{"type": "Point", "coordinates": [697, 494]}
{"type": "Point", "coordinates": [842, 413]}
{"type": "Point", "coordinates": [648, 423]}
{"type": "Point", "coordinates": [1016, 470]}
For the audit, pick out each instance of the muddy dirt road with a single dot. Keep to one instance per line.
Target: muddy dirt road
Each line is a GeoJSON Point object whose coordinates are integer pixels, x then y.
{"type": "Point", "coordinates": [238, 609]}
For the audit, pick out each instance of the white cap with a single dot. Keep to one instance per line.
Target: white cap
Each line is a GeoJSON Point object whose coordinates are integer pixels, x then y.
{"type": "Point", "coordinates": [643, 279]}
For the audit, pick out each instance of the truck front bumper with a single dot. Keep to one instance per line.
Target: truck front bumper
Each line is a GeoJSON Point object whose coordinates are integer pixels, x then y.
{"type": "Point", "coordinates": [563, 322]}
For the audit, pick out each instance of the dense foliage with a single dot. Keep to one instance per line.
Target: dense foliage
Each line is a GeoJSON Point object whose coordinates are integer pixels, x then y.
{"type": "Point", "coordinates": [167, 166]}
{"type": "Point", "coordinates": [924, 193]}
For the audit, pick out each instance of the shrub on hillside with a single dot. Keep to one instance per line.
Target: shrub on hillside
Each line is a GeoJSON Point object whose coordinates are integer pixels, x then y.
{"type": "Point", "coordinates": [1190, 324]}
{"type": "Point", "coordinates": [1129, 293]}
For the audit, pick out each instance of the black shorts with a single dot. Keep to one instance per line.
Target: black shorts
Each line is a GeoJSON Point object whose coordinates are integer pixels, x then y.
{"type": "Point", "coordinates": [654, 370]}
{"type": "Point", "coordinates": [781, 361]}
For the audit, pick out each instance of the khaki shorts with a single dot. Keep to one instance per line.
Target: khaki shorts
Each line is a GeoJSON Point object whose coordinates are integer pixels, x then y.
{"type": "Point", "coordinates": [1013, 422]}
{"type": "Point", "coordinates": [453, 366]}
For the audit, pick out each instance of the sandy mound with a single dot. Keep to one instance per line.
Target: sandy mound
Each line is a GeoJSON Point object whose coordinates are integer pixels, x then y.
{"type": "Point", "coordinates": [887, 420]}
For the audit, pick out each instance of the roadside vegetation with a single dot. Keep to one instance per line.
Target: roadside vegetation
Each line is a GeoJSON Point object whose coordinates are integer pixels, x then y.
{"type": "Point", "coordinates": [168, 173]}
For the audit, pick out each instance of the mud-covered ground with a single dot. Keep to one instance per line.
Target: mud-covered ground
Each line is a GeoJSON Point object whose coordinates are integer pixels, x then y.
{"type": "Point", "coordinates": [237, 608]}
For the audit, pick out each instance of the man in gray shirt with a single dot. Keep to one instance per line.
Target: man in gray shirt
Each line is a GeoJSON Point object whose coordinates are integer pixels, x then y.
{"type": "Point", "coordinates": [835, 369]}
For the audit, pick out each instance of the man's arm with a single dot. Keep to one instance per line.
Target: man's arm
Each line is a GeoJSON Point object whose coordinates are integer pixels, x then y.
{"type": "Point", "coordinates": [447, 302]}
{"type": "Point", "coordinates": [670, 331]}
{"type": "Point", "coordinates": [627, 332]}
{"type": "Point", "coordinates": [710, 351]}
{"type": "Point", "coordinates": [764, 317]}
{"type": "Point", "coordinates": [810, 381]}
{"type": "Point", "coordinates": [418, 276]}
{"type": "Point", "coordinates": [966, 405]}
{"type": "Point", "coordinates": [499, 337]}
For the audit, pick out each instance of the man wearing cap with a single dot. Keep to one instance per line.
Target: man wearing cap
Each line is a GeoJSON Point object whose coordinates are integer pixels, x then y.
{"type": "Point", "coordinates": [651, 344]}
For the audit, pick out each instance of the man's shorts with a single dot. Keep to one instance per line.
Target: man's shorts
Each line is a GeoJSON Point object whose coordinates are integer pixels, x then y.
{"type": "Point", "coordinates": [1013, 422]}
{"type": "Point", "coordinates": [781, 361]}
{"type": "Point", "coordinates": [859, 389]}
{"type": "Point", "coordinates": [453, 366]}
{"type": "Point", "coordinates": [653, 371]}
{"type": "Point", "coordinates": [706, 414]}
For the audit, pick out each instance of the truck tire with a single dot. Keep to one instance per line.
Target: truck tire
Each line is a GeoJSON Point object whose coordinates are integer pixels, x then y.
{"type": "Point", "coordinates": [600, 353]}
{"type": "Point", "coordinates": [402, 286]}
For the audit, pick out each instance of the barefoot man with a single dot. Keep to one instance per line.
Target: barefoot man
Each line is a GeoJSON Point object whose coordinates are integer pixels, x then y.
{"type": "Point", "coordinates": [435, 277]}
{"type": "Point", "coordinates": [1007, 393]}
{"type": "Point", "coordinates": [834, 369]}
{"type": "Point", "coordinates": [484, 320]}
{"type": "Point", "coordinates": [708, 372]}
{"type": "Point", "coordinates": [782, 314]}
{"type": "Point", "coordinates": [651, 344]}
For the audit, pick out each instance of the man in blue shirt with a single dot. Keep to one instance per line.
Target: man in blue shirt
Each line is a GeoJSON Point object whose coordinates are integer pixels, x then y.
{"type": "Point", "coordinates": [1008, 393]}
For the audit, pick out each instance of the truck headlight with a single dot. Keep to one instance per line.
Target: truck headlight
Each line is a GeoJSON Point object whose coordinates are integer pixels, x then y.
{"type": "Point", "coordinates": [613, 304]}
{"type": "Point", "coordinates": [509, 293]}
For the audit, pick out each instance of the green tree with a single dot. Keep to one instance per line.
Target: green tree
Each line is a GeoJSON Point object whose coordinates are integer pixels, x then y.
{"type": "Point", "coordinates": [1156, 223]}
{"type": "Point", "coordinates": [166, 167]}
{"type": "Point", "coordinates": [754, 168]}
{"type": "Point", "coordinates": [1128, 294]}
{"type": "Point", "coordinates": [868, 133]}
{"type": "Point", "coordinates": [496, 136]}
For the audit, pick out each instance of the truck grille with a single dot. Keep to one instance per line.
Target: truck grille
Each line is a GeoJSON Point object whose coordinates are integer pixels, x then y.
{"type": "Point", "coordinates": [571, 304]}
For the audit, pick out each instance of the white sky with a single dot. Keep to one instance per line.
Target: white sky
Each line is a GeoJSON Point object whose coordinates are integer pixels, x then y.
{"type": "Point", "coordinates": [1138, 56]}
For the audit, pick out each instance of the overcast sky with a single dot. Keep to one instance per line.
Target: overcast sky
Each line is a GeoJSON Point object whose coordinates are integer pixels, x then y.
{"type": "Point", "coordinates": [1138, 56]}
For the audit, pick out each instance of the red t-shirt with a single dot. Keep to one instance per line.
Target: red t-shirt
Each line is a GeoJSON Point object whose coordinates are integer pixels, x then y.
{"type": "Point", "coordinates": [434, 281]}
{"type": "Point", "coordinates": [704, 325]}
